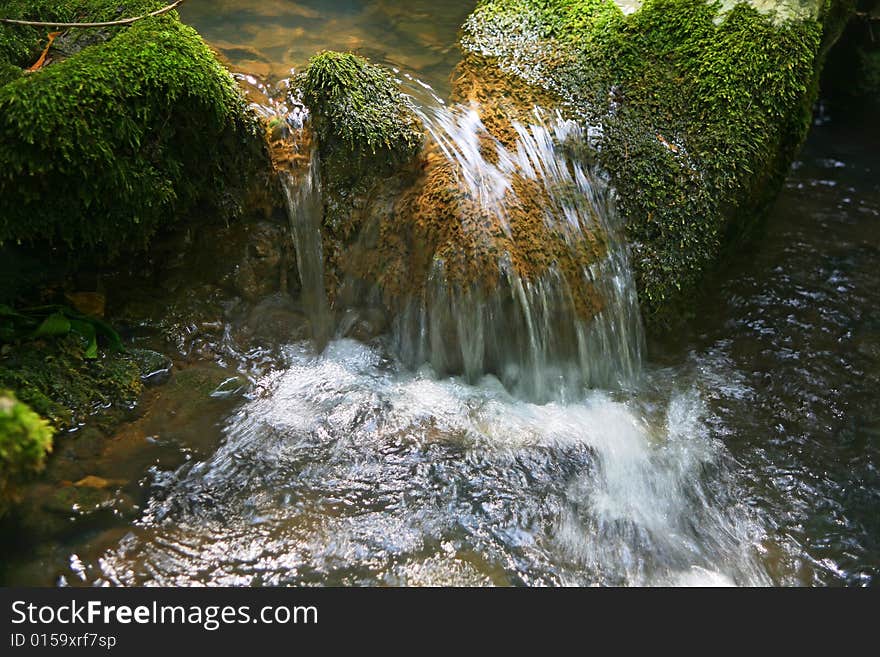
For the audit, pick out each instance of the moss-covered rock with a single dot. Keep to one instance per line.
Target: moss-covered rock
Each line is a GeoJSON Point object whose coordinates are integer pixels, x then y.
{"type": "Point", "coordinates": [25, 440]}
{"type": "Point", "coordinates": [359, 110]}
{"type": "Point", "coordinates": [101, 149]}
{"type": "Point", "coordinates": [701, 109]}
{"type": "Point", "coordinates": [59, 382]}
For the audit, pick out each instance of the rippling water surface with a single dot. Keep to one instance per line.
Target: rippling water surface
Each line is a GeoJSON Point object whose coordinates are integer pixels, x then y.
{"type": "Point", "coordinates": [747, 452]}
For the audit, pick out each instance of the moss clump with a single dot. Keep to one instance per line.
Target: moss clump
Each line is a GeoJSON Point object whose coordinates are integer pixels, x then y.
{"type": "Point", "coordinates": [98, 151]}
{"type": "Point", "coordinates": [58, 381]}
{"type": "Point", "coordinates": [25, 440]}
{"type": "Point", "coordinates": [358, 107]}
{"type": "Point", "coordinates": [701, 112]}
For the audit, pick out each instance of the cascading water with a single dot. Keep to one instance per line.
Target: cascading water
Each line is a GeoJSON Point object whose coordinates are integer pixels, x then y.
{"type": "Point", "coordinates": [360, 465]}
{"type": "Point", "coordinates": [528, 331]}
{"type": "Point", "coordinates": [296, 160]}
{"type": "Point", "coordinates": [302, 194]}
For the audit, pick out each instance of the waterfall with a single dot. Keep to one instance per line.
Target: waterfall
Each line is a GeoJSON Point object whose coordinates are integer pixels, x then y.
{"type": "Point", "coordinates": [528, 331]}
{"type": "Point", "coordinates": [360, 465]}
{"type": "Point", "coordinates": [302, 194]}
{"type": "Point", "coordinates": [558, 318]}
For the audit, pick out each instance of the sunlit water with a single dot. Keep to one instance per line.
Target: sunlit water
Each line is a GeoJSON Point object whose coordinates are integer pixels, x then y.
{"type": "Point", "coordinates": [527, 331]}
{"type": "Point", "coordinates": [269, 37]}
{"type": "Point", "coordinates": [747, 452]}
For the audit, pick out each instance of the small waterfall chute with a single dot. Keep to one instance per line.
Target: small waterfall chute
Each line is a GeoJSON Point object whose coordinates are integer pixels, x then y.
{"type": "Point", "coordinates": [506, 258]}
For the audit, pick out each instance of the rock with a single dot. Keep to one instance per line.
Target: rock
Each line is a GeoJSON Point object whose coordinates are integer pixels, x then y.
{"type": "Point", "coordinates": [367, 132]}
{"type": "Point", "coordinates": [57, 381]}
{"type": "Point", "coordinates": [88, 303]}
{"type": "Point", "coordinates": [160, 127]}
{"type": "Point", "coordinates": [699, 109]}
{"type": "Point", "coordinates": [363, 324]}
{"type": "Point", "coordinates": [263, 260]}
{"type": "Point", "coordinates": [155, 368]}
{"type": "Point", "coordinates": [276, 320]}
{"type": "Point", "coordinates": [25, 440]}
{"type": "Point", "coordinates": [51, 512]}
{"type": "Point", "coordinates": [92, 481]}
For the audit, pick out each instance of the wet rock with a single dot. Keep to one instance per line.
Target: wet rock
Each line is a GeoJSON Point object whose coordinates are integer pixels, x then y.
{"type": "Point", "coordinates": [55, 511]}
{"type": "Point", "coordinates": [263, 261]}
{"type": "Point", "coordinates": [276, 320]}
{"type": "Point", "coordinates": [363, 325]}
{"type": "Point", "coordinates": [231, 387]}
{"type": "Point", "coordinates": [155, 368]}
{"type": "Point", "coordinates": [25, 440]}
{"type": "Point", "coordinates": [88, 303]}
{"type": "Point", "coordinates": [93, 481]}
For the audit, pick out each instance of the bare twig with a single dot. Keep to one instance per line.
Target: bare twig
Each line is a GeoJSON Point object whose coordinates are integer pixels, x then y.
{"type": "Point", "coordinates": [121, 21]}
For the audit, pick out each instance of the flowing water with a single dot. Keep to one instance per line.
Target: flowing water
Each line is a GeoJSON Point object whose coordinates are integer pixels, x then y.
{"type": "Point", "coordinates": [527, 332]}
{"type": "Point", "coordinates": [743, 450]}
{"type": "Point", "coordinates": [302, 194]}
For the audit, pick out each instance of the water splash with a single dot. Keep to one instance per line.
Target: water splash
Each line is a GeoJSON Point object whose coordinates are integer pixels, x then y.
{"type": "Point", "coordinates": [352, 470]}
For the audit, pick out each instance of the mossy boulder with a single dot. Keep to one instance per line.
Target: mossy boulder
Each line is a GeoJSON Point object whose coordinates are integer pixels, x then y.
{"type": "Point", "coordinates": [700, 108]}
{"type": "Point", "coordinates": [368, 136]}
{"type": "Point", "coordinates": [25, 440]}
{"type": "Point", "coordinates": [360, 111]}
{"type": "Point", "coordinates": [124, 132]}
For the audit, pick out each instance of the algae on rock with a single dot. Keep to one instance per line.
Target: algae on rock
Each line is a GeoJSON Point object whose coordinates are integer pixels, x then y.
{"type": "Point", "coordinates": [56, 379]}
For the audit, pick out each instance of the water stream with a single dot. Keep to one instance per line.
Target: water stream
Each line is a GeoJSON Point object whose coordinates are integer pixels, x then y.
{"type": "Point", "coordinates": [744, 450]}
{"type": "Point", "coordinates": [528, 332]}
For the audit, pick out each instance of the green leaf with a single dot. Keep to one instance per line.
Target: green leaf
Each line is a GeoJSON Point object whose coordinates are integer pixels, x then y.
{"type": "Point", "coordinates": [108, 333]}
{"type": "Point", "coordinates": [54, 325]}
{"type": "Point", "coordinates": [87, 330]}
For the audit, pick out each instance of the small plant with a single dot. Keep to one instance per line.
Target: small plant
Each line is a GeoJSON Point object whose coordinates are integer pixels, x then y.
{"type": "Point", "coordinates": [56, 321]}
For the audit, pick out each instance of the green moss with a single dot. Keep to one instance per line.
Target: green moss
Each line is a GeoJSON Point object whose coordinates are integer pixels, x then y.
{"type": "Point", "coordinates": [701, 113]}
{"type": "Point", "coordinates": [357, 105]}
{"type": "Point", "coordinates": [56, 379]}
{"type": "Point", "coordinates": [20, 44]}
{"type": "Point", "coordinates": [25, 440]}
{"type": "Point", "coordinates": [100, 150]}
